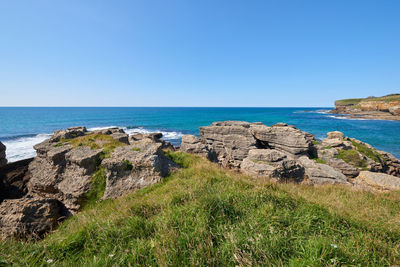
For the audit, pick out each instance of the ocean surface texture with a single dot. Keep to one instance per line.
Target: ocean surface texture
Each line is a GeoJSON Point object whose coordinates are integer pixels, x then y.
{"type": "Point", "coordinates": [22, 128]}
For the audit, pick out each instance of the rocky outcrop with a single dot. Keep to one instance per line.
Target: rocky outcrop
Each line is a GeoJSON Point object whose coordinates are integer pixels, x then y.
{"type": "Point", "coordinates": [33, 216]}
{"type": "Point", "coordinates": [284, 153]}
{"type": "Point", "coordinates": [273, 164]}
{"type": "Point", "coordinates": [318, 173]}
{"type": "Point", "coordinates": [283, 137]}
{"type": "Point", "coordinates": [63, 173]}
{"type": "Point", "coordinates": [378, 181]}
{"type": "Point", "coordinates": [153, 137]}
{"type": "Point", "coordinates": [383, 108]}
{"type": "Point", "coordinates": [3, 160]}
{"type": "Point", "coordinates": [193, 144]}
{"type": "Point", "coordinates": [228, 142]}
{"type": "Point", "coordinates": [59, 180]}
{"type": "Point", "coordinates": [277, 152]}
{"type": "Point", "coordinates": [350, 156]}
{"type": "Point", "coordinates": [135, 166]}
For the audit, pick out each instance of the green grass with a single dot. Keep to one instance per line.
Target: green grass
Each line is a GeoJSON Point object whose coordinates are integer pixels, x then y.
{"type": "Point", "coordinates": [98, 186]}
{"type": "Point", "coordinates": [205, 215]}
{"type": "Point", "coordinates": [355, 101]}
{"type": "Point", "coordinates": [94, 141]}
{"type": "Point", "coordinates": [136, 149]}
{"type": "Point", "coordinates": [352, 157]}
{"type": "Point", "coordinates": [318, 160]}
{"type": "Point", "coordinates": [370, 153]}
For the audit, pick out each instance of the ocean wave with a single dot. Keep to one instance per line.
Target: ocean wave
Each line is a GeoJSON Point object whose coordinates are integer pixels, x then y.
{"type": "Point", "coordinates": [167, 135]}
{"type": "Point", "coordinates": [102, 128]}
{"type": "Point", "coordinates": [348, 118]}
{"type": "Point", "coordinates": [21, 147]}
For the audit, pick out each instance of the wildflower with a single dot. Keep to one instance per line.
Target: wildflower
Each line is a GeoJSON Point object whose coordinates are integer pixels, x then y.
{"type": "Point", "coordinates": [334, 245]}
{"type": "Point", "coordinates": [126, 250]}
{"type": "Point", "coordinates": [49, 261]}
{"type": "Point", "coordinates": [111, 255]}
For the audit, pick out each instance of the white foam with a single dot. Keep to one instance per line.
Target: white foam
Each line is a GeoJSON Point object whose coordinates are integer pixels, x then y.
{"type": "Point", "coordinates": [348, 118]}
{"type": "Point", "coordinates": [22, 148]}
{"type": "Point", "coordinates": [166, 135]}
{"type": "Point", "coordinates": [102, 128]}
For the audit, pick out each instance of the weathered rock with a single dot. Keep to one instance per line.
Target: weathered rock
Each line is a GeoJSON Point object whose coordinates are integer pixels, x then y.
{"type": "Point", "coordinates": [154, 137]}
{"type": "Point", "coordinates": [27, 216]}
{"type": "Point", "coordinates": [380, 181]}
{"type": "Point", "coordinates": [121, 137]}
{"type": "Point", "coordinates": [317, 173]}
{"type": "Point", "coordinates": [228, 142]}
{"type": "Point", "coordinates": [135, 166]}
{"type": "Point", "coordinates": [336, 142]}
{"type": "Point", "coordinates": [283, 137]}
{"type": "Point", "coordinates": [3, 160]}
{"type": "Point", "coordinates": [63, 173]}
{"type": "Point", "coordinates": [272, 164]}
{"type": "Point", "coordinates": [395, 110]}
{"type": "Point", "coordinates": [13, 179]}
{"type": "Point", "coordinates": [192, 144]}
{"type": "Point", "coordinates": [68, 134]}
{"type": "Point", "coordinates": [335, 135]}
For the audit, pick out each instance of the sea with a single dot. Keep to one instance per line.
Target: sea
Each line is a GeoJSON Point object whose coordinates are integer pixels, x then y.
{"type": "Point", "coordinates": [23, 127]}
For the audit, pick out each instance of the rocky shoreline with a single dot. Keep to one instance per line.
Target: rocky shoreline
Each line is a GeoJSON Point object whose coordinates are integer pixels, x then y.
{"type": "Point", "coordinates": [371, 108]}
{"type": "Point", "coordinates": [76, 167]}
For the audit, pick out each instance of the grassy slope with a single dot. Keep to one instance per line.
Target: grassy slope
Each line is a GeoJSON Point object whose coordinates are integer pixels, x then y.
{"type": "Point", "coordinates": [355, 101]}
{"type": "Point", "coordinates": [205, 215]}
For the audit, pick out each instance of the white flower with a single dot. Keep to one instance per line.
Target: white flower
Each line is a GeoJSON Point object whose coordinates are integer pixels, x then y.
{"type": "Point", "coordinates": [334, 245]}
{"type": "Point", "coordinates": [49, 261]}
{"type": "Point", "coordinates": [111, 255]}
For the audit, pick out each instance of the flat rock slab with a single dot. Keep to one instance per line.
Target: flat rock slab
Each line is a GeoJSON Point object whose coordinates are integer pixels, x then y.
{"type": "Point", "coordinates": [378, 180]}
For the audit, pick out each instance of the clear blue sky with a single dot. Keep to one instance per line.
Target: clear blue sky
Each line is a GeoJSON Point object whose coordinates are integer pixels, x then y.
{"type": "Point", "coordinates": [197, 53]}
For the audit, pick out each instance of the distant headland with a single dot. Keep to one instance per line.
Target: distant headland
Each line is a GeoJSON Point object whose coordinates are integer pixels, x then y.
{"type": "Point", "coordinates": [376, 108]}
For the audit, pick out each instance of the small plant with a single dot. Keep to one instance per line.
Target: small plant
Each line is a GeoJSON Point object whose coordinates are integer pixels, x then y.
{"type": "Point", "coordinates": [136, 149]}
{"type": "Point", "coordinates": [128, 165]}
{"type": "Point", "coordinates": [318, 160]}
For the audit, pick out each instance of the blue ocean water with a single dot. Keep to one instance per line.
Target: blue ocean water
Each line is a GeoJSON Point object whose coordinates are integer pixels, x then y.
{"type": "Point", "coordinates": [21, 128]}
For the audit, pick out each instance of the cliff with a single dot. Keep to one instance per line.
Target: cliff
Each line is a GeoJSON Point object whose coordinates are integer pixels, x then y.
{"type": "Point", "coordinates": [385, 107]}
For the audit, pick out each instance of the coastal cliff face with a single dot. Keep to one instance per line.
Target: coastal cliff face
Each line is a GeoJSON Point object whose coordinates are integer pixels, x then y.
{"type": "Point", "coordinates": [386, 107]}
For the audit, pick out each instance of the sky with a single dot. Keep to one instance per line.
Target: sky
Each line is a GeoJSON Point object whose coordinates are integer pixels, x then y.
{"type": "Point", "coordinates": [267, 53]}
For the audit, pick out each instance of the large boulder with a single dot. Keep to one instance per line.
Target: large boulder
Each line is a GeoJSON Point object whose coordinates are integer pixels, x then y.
{"type": "Point", "coordinates": [229, 141]}
{"type": "Point", "coordinates": [63, 173]}
{"type": "Point", "coordinates": [153, 137]}
{"type": "Point", "coordinates": [283, 137]}
{"type": "Point", "coordinates": [28, 216]}
{"type": "Point", "coordinates": [3, 160]}
{"type": "Point", "coordinates": [318, 173]}
{"type": "Point", "coordinates": [380, 181]}
{"type": "Point", "coordinates": [272, 164]}
{"type": "Point", "coordinates": [193, 144]}
{"type": "Point", "coordinates": [135, 166]}
{"type": "Point", "coordinates": [335, 135]}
